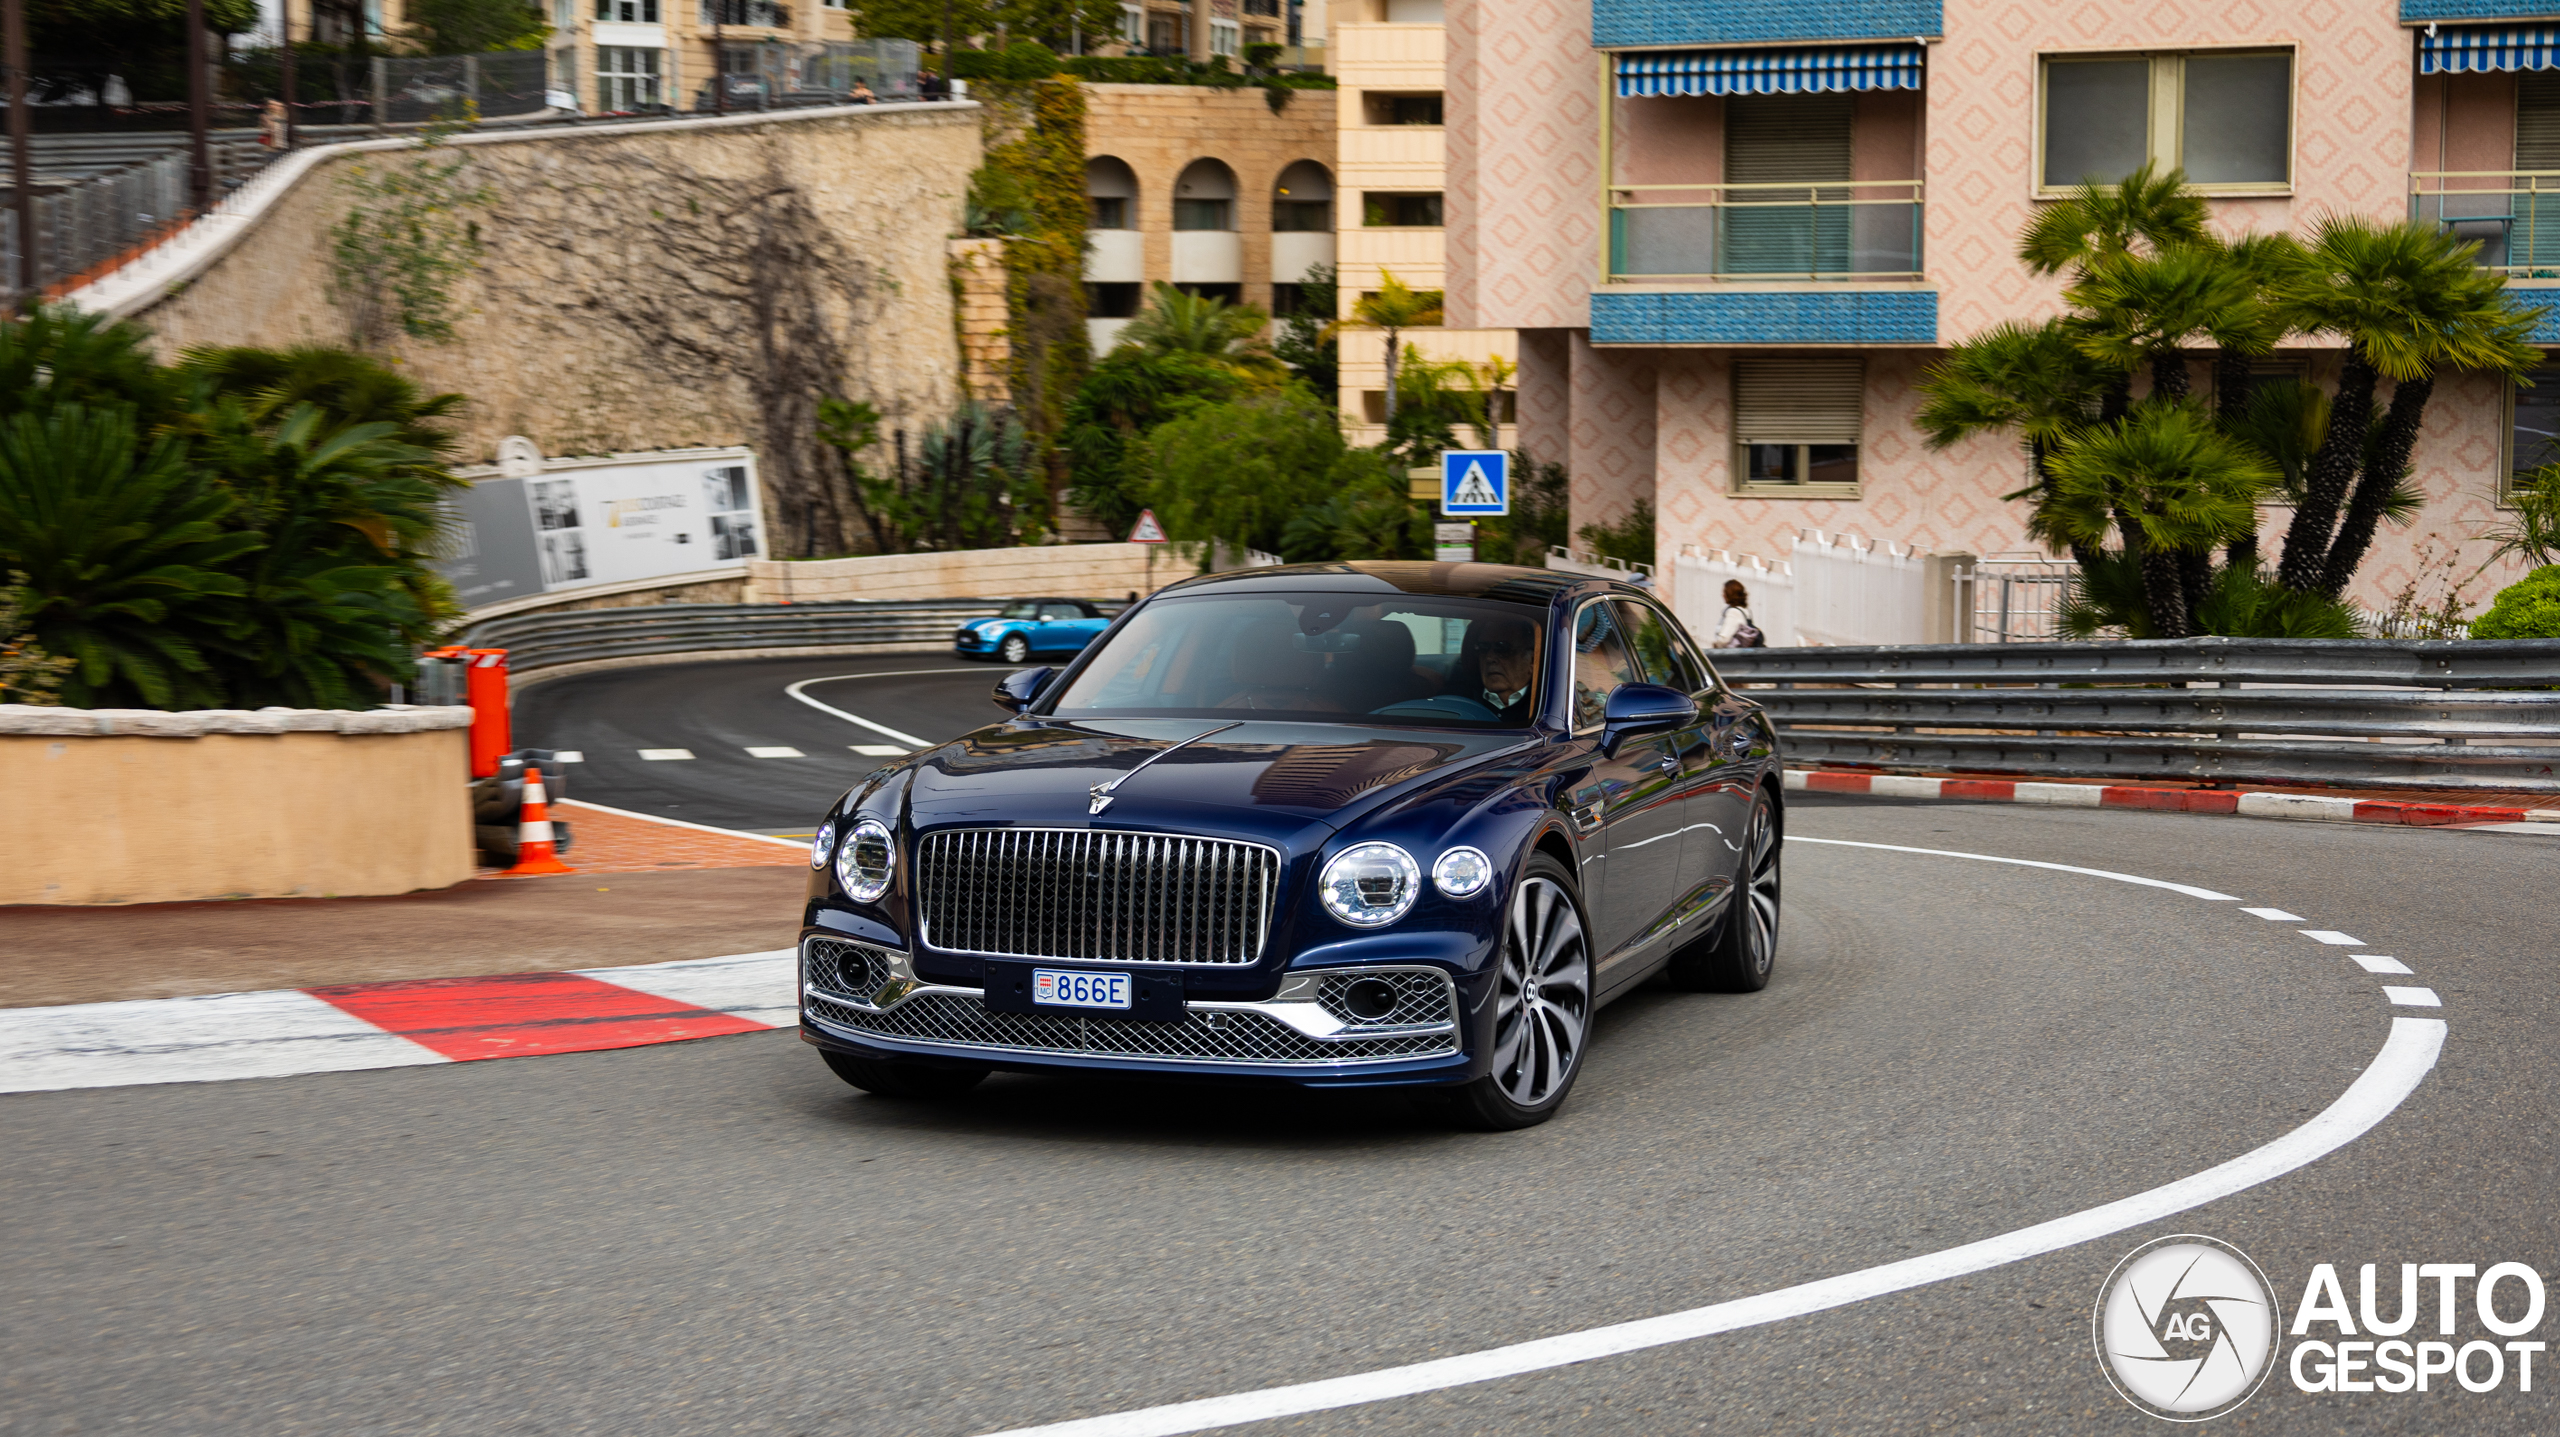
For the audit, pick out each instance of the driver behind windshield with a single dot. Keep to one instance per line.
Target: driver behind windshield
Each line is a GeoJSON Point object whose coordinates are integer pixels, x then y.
{"type": "Point", "coordinates": [1497, 662]}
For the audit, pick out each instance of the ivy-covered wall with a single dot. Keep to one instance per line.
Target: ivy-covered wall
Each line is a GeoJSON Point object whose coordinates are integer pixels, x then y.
{"type": "Point", "coordinates": [1035, 138]}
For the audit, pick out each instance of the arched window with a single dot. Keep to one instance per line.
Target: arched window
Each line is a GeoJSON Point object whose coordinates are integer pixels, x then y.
{"type": "Point", "coordinates": [1111, 188]}
{"type": "Point", "coordinates": [1205, 197]}
{"type": "Point", "coordinates": [1303, 200]}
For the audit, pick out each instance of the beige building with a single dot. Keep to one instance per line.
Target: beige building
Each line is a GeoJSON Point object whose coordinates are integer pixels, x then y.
{"type": "Point", "coordinates": [1387, 56]}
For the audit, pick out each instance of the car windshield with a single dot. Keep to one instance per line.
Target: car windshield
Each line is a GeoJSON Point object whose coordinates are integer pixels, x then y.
{"type": "Point", "coordinates": [1434, 662]}
{"type": "Point", "coordinates": [1020, 609]}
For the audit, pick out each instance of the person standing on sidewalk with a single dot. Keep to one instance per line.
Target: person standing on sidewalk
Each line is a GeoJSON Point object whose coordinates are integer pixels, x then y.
{"type": "Point", "coordinates": [1735, 630]}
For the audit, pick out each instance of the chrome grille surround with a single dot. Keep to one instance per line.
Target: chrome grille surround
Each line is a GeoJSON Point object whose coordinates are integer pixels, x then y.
{"type": "Point", "coordinates": [1095, 896]}
{"type": "Point", "coordinates": [1297, 1029]}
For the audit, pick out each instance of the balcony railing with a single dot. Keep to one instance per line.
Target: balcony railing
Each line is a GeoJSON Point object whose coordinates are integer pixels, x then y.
{"type": "Point", "coordinates": [2513, 215]}
{"type": "Point", "coordinates": [754, 14]}
{"type": "Point", "coordinates": [1853, 230]}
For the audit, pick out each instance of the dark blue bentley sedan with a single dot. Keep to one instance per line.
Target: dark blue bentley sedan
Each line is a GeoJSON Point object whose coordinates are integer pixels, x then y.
{"type": "Point", "coordinates": [1379, 824]}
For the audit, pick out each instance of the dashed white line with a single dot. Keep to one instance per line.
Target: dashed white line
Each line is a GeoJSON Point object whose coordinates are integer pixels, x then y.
{"type": "Point", "coordinates": [2412, 997]}
{"type": "Point", "coordinates": [2332, 937]}
{"type": "Point", "coordinates": [666, 755]}
{"type": "Point", "coordinates": [2275, 915]}
{"type": "Point", "coordinates": [568, 755]}
{"type": "Point", "coordinates": [775, 751]}
{"type": "Point", "coordinates": [2377, 963]}
{"type": "Point", "coordinates": [877, 750]}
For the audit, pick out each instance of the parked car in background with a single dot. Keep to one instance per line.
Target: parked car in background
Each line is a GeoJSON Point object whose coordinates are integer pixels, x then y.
{"type": "Point", "coordinates": [1031, 626]}
{"type": "Point", "coordinates": [1348, 825]}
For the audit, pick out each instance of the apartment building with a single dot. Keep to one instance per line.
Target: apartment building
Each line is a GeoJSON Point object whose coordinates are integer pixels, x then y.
{"type": "Point", "coordinates": [1734, 234]}
{"type": "Point", "coordinates": [1389, 57]}
{"type": "Point", "coordinates": [641, 55]}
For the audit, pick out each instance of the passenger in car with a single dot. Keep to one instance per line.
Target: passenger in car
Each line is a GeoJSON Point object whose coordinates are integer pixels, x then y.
{"type": "Point", "coordinates": [1272, 672]}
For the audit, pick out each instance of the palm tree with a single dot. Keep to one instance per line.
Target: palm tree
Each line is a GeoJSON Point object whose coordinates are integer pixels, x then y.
{"type": "Point", "coordinates": [2036, 381]}
{"type": "Point", "coordinates": [2172, 484]}
{"type": "Point", "coordinates": [2144, 210]}
{"type": "Point", "coordinates": [2147, 307]}
{"type": "Point", "coordinates": [2410, 301]}
{"type": "Point", "coordinates": [1395, 308]}
{"type": "Point", "coordinates": [1176, 322]}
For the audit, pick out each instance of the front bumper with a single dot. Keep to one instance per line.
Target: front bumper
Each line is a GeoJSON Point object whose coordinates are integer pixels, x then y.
{"type": "Point", "coordinates": [865, 999]}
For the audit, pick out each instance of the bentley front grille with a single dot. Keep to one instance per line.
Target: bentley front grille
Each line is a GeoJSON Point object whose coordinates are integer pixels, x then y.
{"type": "Point", "coordinates": [1078, 894]}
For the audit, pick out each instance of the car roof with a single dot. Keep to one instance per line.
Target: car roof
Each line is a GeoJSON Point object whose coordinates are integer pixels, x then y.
{"type": "Point", "coordinates": [1509, 583]}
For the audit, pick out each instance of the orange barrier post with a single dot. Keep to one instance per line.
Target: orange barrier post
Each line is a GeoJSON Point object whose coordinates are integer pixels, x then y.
{"type": "Point", "coordinates": [485, 688]}
{"type": "Point", "coordinates": [534, 853]}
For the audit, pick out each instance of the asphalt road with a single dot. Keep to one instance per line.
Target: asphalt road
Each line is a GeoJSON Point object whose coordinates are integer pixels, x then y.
{"type": "Point", "coordinates": [718, 1237]}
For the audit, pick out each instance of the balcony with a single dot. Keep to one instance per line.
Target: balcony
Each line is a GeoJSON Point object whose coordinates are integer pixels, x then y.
{"type": "Point", "coordinates": [1853, 231]}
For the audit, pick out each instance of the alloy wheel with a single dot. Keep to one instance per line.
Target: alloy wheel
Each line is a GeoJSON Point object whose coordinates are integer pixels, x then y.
{"type": "Point", "coordinates": [1543, 1007]}
{"type": "Point", "coordinates": [1016, 648]}
{"type": "Point", "coordinates": [1759, 914]}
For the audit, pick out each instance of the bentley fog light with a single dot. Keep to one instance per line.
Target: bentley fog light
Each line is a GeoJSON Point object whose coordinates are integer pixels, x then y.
{"type": "Point", "coordinates": [821, 843]}
{"type": "Point", "coordinates": [1370, 884]}
{"type": "Point", "coordinates": [1462, 872]}
{"type": "Point", "coordinates": [865, 861]}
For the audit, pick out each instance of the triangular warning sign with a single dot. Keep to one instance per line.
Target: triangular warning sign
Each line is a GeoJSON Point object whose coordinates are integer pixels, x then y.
{"type": "Point", "coordinates": [1473, 487]}
{"type": "Point", "coordinates": [1148, 530]}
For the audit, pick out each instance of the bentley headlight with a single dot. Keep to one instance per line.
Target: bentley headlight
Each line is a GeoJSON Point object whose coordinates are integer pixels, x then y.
{"type": "Point", "coordinates": [1370, 885]}
{"type": "Point", "coordinates": [1462, 872]}
{"type": "Point", "coordinates": [865, 860]}
{"type": "Point", "coordinates": [822, 843]}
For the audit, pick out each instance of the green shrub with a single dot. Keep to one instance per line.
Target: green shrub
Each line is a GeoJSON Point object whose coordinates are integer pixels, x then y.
{"type": "Point", "coordinates": [2526, 609]}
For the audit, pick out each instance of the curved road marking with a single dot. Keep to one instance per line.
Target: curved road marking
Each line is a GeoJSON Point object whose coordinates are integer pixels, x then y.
{"type": "Point", "coordinates": [910, 740]}
{"type": "Point", "coordinates": [2395, 1072]}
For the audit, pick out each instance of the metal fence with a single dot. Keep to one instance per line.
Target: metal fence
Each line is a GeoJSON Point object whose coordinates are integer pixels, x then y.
{"type": "Point", "coordinates": [2463, 714]}
{"type": "Point", "coordinates": [2008, 599]}
{"type": "Point", "coordinates": [411, 89]}
{"type": "Point", "coordinates": [540, 641]}
{"type": "Point", "coordinates": [100, 197]}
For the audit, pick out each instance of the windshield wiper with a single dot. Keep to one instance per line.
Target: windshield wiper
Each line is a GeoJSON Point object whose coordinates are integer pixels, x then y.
{"type": "Point", "coordinates": [1101, 793]}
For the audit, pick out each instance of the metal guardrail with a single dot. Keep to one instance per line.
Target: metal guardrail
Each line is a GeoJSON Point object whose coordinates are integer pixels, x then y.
{"type": "Point", "coordinates": [2371, 713]}
{"type": "Point", "coordinates": [541, 641]}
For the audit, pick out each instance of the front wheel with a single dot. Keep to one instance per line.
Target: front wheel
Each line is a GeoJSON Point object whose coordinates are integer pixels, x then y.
{"type": "Point", "coordinates": [905, 1080]}
{"type": "Point", "coordinates": [1015, 649]}
{"type": "Point", "coordinates": [1542, 1007]}
{"type": "Point", "coordinates": [1738, 958]}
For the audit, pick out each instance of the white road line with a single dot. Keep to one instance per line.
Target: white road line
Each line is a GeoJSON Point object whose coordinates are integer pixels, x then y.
{"type": "Point", "coordinates": [2412, 997]}
{"type": "Point", "coordinates": [878, 750]}
{"type": "Point", "coordinates": [910, 740]}
{"type": "Point", "coordinates": [666, 755]}
{"type": "Point", "coordinates": [2404, 1061]}
{"type": "Point", "coordinates": [2275, 915]}
{"type": "Point", "coordinates": [568, 755]}
{"type": "Point", "coordinates": [775, 751]}
{"type": "Point", "coordinates": [2377, 963]}
{"type": "Point", "coordinates": [680, 823]}
{"type": "Point", "coordinates": [756, 986]}
{"type": "Point", "coordinates": [2206, 894]}
{"type": "Point", "coordinates": [2332, 937]}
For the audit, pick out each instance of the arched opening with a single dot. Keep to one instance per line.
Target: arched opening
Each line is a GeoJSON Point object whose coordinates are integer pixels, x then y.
{"type": "Point", "coordinates": [1205, 197]}
{"type": "Point", "coordinates": [1302, 203]}
{"type": "Point", "coordinates": [1111, 190]}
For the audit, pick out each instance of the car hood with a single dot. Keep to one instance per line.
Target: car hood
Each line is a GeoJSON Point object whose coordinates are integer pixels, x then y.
{"type": "Point", "coordinates": [1260, 780]}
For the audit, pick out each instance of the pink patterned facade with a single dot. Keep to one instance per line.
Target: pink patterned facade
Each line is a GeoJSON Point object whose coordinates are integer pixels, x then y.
{"type": "Point", "coordinates": [1649, 412]}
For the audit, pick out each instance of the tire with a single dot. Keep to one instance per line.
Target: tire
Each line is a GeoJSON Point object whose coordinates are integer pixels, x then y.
{"type": "Point", "coordinates": [1542, 1007]}
{"type": "Point", "coordinates": [905, 1080]}
{"type": "Point", "coordinates": [1015, 649]}
{"type": "Point", "coordinates": [1740, 955]}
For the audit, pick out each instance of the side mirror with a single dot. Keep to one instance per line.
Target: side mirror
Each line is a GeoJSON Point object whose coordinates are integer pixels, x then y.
{"type": "Point", "coordinates": [1020, 689]}
{"type": "Point", "coordinates": [1636, 709]}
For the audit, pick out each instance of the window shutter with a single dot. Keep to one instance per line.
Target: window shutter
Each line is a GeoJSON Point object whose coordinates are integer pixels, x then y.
{"type": "Point", "coordinates": [1779, 139]}
{"type": "Point", "coordinates": [1798, 401]}
{"type": "Point", "coordinates": [2538, 120]}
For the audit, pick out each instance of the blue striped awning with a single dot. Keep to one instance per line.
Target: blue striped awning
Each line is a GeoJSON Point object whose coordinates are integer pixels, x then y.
{"type": "Point", "coordinates": [2482, 49]}
{"type": "Point", "coordinates": [1769, 72]}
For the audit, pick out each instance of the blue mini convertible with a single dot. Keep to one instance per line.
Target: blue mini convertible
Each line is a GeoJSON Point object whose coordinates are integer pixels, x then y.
{"type": "Point", "coordinates": [1031, 626]}
{"type": "Point", "coordinates": [1379, 824]}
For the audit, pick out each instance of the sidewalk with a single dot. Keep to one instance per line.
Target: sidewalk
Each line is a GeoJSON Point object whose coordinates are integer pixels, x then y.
{"type": "Point", "coordinates": [644, 892]}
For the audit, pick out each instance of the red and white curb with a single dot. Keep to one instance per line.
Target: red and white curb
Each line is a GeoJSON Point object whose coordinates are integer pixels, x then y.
{"type": "Point", "coordinates": [351, 1026]}
{"type": "Point", "coordinates": [2174, 800]}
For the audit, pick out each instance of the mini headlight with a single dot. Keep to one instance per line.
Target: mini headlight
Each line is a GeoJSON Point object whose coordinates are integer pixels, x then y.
{"type": "Point", "coordinates": [865, 860]}
{"type": "Point", "coordinates": [821, 843]}
{"type": "Point", "coordinates": [1462, 872]}
{"type": "Point", "coordinates": [1370, 884]}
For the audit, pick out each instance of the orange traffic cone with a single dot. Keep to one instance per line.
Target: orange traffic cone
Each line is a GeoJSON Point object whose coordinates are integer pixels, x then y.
{"type": "Point", "coordinates": [534, 853]}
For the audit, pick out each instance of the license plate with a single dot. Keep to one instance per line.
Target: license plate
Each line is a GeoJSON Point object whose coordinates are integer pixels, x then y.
{"type": "Point", "coordinates": [1056, 988]}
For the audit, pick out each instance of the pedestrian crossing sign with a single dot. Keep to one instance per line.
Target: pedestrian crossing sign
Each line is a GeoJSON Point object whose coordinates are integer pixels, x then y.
{"type": "Point", "coordinates": [1475, 481]}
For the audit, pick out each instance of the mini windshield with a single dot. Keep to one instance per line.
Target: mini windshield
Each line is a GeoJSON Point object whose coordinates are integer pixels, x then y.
{"type": "Point", "coordinates": [1434, 662]}
{"type": "Point", "coordinates": [1020, 609]}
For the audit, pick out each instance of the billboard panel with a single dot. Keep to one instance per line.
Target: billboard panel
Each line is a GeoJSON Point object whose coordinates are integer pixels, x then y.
{"type": "Point", "coordinates": [621, 519]}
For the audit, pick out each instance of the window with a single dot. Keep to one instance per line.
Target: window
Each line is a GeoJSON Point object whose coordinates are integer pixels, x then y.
{"type": "Point", "coordinates": [564, 14]}
{"type": "Point", "coordinates": [2224, 116]}
{"type": "Point", "coordinates": [1166, 35]}
{"type": "Point", "coordinates": [627, 78]}
{"type": "Point", "coordinates": [1288, 299]}
{"type": "Point", "coordinates": [1390, 109]}
{"type": "Point", "coordinates": [1230, 293]}
{"type": "Point", "coordinates": [628, 12]}
{"type": "Point", "coordinates": [1202, 214]}
{"type": "Point", "coordinates": [1419, 211]}
{"type": "Point", "coordinates": [1204, 197]}
{"type": "Point", "coordinates": [1600, 663]}
{"type": "Point", "coordinates": [1112, 301]}
{"type": "Point", "coordinates": [1302, 202]}
{"type": "Point", "coordinates": [1133, 25]}
{"type": "Point", "coordinates": [1226, 37]}
{"type": "Point", "coordinates": [2533, 431]}
{"type": "Point", "coordinates": [1658, 647]}
{"type": "Point", "coordinates": [1796, 426]}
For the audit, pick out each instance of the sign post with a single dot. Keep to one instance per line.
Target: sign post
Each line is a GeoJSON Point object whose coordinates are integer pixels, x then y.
{"type": "Point", "coordinates": [1454, 543]}
{"type": "Point", "coordinates": [1148, 531]}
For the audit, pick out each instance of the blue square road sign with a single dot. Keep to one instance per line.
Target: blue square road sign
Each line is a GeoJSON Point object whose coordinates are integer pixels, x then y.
{"type": "Point", "coordinates": [1475, 482]}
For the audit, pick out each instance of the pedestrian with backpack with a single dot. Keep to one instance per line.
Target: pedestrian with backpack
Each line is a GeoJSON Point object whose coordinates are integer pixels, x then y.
{"type": "Point", "coordinates": [1735, 630]}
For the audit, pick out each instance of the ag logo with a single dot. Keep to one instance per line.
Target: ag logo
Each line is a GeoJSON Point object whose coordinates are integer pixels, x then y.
{"type": "Point", "coordinates": [2186, 1328]}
